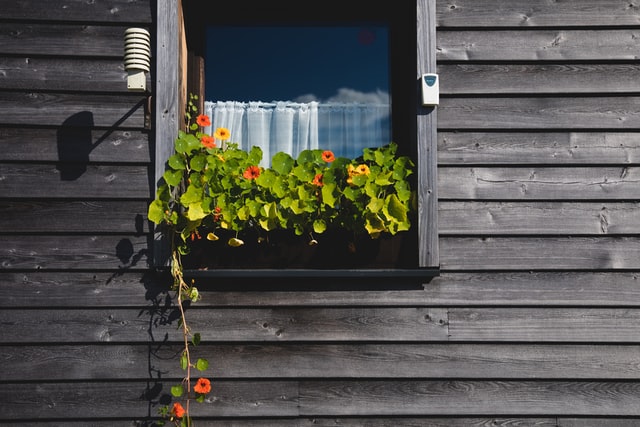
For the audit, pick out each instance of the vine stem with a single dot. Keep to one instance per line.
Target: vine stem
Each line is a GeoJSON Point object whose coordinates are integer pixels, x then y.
{"type": "Point", "coordinates": [181, 285]}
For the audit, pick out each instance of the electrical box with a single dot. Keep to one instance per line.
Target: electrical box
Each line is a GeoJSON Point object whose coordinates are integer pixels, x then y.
{"type": "Point", "coordinates": [430, 90]}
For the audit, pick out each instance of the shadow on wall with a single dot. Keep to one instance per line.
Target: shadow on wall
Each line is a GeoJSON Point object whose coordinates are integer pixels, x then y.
{"type": "Point", "coordinates": [74, 145]}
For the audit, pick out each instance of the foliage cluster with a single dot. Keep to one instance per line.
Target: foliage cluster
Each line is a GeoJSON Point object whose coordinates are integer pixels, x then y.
{"type": "Point", "coordinates": [211, 184]}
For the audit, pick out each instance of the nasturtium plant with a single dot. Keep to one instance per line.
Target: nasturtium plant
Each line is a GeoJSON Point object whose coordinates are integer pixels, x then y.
{"type": "Point", "coordinates": [212, 184]}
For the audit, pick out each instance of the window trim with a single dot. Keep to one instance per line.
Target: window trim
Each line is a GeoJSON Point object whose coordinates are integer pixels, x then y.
{"type": "Point", "coordinates": [170, 97]}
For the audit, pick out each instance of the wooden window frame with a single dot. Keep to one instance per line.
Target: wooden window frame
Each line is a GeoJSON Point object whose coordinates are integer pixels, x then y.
{"type": "Point", "coordinates": [171, 78]}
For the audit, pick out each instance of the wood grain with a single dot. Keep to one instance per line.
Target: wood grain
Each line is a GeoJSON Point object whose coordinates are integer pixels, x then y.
{"type": "Point", "coordinates": [539, 218]}
{"type": "Point", "coordinates": [522, 13]}
{"type": "Point", "coordinates": [235, 325]}
{"type": "Point", "coordinates": [92, 252]}
{"type": "Point", "coordinates": [73, 180]}
{"type": "Point", "coordinates": [538, 45]}
{"type": "Point", "coordinates": [77, 11]}
{"type": "Point", "coordinates": [543, 113]}
{"type": "Point", "coordinates": [539, 183]}
{"type": "Point", "coordinates": [537, 78]}
{"type": "Point", "coordinates": [74, 144]}
{"type": "Point", "coordinates": [540, 253]}
{"type": "Point", "coordinates": [548, 148]}
{"type": "Point", "coordinates": [80, 362]}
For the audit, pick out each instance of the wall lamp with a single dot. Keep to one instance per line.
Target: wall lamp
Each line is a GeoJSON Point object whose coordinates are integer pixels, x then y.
{"type": "Point", "coordinates": [137, 57]}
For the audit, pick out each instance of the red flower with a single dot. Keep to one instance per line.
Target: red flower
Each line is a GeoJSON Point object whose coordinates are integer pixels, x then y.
{"type": "Point", "coordinates": [178, 410]}
{"type": "Point", "coordinates": [208, 141]}
{"type": "Point", "coordinates": [203, 120]}
{"type": "Point", "coordinates": [252, 172]}
{"type": "Point", "coordinates": [328, 156]}
{"type": "Point", "coordinates": [317, 180]}
{"type": "Point", "coordinates": [203, 386]}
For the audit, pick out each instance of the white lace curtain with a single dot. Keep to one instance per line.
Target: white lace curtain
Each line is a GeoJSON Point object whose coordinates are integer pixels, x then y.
{"type": "Point", "coordinates": [292, 127]}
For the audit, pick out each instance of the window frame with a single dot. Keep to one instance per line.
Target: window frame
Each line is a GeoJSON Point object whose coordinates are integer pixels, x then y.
{"type": "Point", "coordinates": [173, 63]}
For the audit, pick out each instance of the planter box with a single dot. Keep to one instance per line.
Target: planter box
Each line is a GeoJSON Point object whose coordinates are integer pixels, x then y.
{"type": "Point", "coordinates": [281, 249]}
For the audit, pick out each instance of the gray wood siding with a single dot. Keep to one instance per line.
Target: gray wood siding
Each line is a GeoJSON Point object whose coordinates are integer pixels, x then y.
{"type": "Point", "coordinates": [534, 320]}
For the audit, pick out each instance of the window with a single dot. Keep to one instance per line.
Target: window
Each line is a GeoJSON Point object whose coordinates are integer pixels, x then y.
{"type": "Point", "coordinates": [181, 67]}
{"type": "Point", "coordinates": [290, 87]}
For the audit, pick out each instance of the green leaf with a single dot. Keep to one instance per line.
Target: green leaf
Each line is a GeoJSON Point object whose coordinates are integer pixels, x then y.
{"type": "Point", "coordinates": [176, 162]}
{"type": "Point", "coordinates": [282, 163]}
{"type": "Point", "coordinates": [375, 205]}
{"type": "Point", "coordinates": [195, 212]}
{"type": "Point", "coordinates": [328, 194]}
{"type": "Point", "coordinates": [156, 211]}
{"type": "Point", "coordinates": [202, 364]}
{"type": "Point", "coordinates": [195, 340]}
{"type": "Point", "coordinates": [192, 195]}
{"type": "Point", "coordinates": [319, 226]}
{"type": "Point", "coordinates": [184, 362]}
{"type": "Point", "coordinates": [255, 155]}
{"type": "Point", "coordinates": [198, 162]}
{"type": "Point", "coordinates": [172, 177]}
{"type": "Point", "coordinates": [177, 390]}
{"type": "Point", "coordinates": [395, 208]}
{"type": "Point", "coordinates": [306, 156]}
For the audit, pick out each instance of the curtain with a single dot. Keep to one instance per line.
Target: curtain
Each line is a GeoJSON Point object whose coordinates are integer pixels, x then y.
{"type": "Point", "coordinates": [292, 127]}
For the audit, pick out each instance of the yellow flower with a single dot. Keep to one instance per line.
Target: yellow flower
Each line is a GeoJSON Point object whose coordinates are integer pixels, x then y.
{"type": "Point", "coordinates": [363, 170]}
{"type": "Point", "coordinates": [222, 134]}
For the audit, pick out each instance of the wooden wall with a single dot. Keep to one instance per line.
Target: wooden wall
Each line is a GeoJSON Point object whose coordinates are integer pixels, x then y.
{"type": "Point", "coordinates": [534, 321]}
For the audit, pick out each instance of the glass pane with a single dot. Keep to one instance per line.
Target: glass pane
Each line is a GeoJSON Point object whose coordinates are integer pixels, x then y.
{"type": "Point", "coordinates": [332, 82]}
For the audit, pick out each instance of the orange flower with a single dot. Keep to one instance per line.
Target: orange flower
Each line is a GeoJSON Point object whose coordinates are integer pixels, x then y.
{"type": "Point", "coordinates": [252, 172]}
{"type": "Point", "coordinates": [203, 386]}
{"type": "Point", "coordinates": [178, 410]}
{"type": "Point", "coordinates": [208, 141]}
{"type": "Point", "coordinates": [222, 134]}
{"type": "Point", "coordinates": [317, 180]}
{"type": "Point", "coordinates": [203, 120]}
{"type": "Point", "coordinates": [328, 156]}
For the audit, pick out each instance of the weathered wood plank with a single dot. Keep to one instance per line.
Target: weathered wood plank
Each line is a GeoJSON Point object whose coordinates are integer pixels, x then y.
{"type": "Point", "coordinates": [58, 402]}
{"type": "Point", "coordinates": [170, 101]}
{"type": "Point", "coordinates": [81, 289]}
{"type": "Point", "coordinates": [35, 216]}
{"type": "Point", "coordinates": [538, 45]}
{"type": "Point", "coordinates": [540, 253]}
{"type": "Point", "coordinates": [598, 422]}
{"type": "Point", "coordinates": [139, 289]}
{"type": "Point", "coordinates": [72, 110]}
{"type": "Point", "coordinates": [377, 398]}
{"type": "Point", "coordinates": [83, 362]}
{"type": "Point", "coordinates": [74, 180]}
{"type": "Point", "coordinates": [427, 136]}
{"type": "Point", "coordinates": [493, 79]}
{"type": "Point", "coordinates": [62, 40]}
{"type": "Point", "coordinates": [549, 148]}
{"type": "Point", "coordinates": [333, 421]}
{"type": "Point", "coordinates": [543, 218]}
{"type": "Point", "coordinates": [72, 144]}
{"type": "Point", "coordinates": [548, 325]}
{"type": "Point", "coordinates": [42, 74]}
{"type": "Point", "coordinates": [523, 13]}
{"type": "Point", "coordinates": [546, 113]}
{"type": "Point", "coordinates": [289, 361]}
{"type": "Point", "coordinates": [535, 289]}
{"type": "Point", "coordinates": [539, 183]}
{"type": "Point", "coordinates": [73, 252]}
{"type": "Point", "coordinates": [328, 324]}
{"type": "Point", "coordinates": [77, 11]}
{"type": "Point", "coordinates": [242, 324]}
{"type": "Point", "coordinates": [392, 398]}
